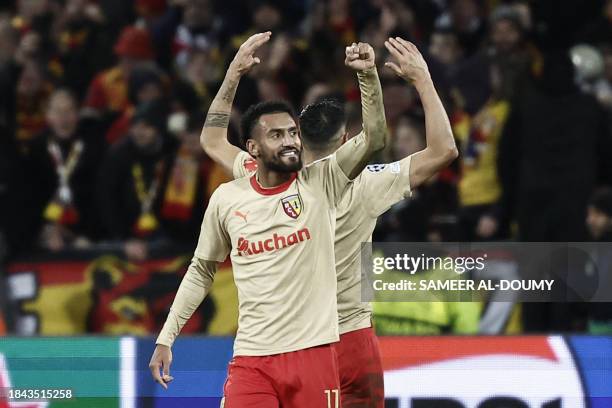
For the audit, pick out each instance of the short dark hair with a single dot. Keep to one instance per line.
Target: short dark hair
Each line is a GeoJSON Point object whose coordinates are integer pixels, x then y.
{"type": "Point", "coordinates": [320, 121]}
{"type": "Point", "coordinates": [254, 112]}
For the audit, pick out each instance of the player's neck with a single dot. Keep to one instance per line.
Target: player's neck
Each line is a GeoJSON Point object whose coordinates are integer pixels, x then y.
{"type": "Point", "coordinates": [270, 178]}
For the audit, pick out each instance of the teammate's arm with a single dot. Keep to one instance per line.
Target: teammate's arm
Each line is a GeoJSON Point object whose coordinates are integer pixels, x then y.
{"type": "Point", "coordinates": [353, 156]}
{"type": "Point", "coordinates": [193, 289]}
{"type": "Point", "coordinates": [441, 149]}
{"type": "Point", "coordinates": [214, 134]}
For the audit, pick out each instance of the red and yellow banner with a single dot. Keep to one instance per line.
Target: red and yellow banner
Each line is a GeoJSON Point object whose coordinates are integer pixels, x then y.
{"type": "Point", "coordinates": [106, 294]}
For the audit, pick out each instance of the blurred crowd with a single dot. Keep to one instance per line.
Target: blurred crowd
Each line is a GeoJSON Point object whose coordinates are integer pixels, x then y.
{"type": "Point", "coordinates": [102, 103]}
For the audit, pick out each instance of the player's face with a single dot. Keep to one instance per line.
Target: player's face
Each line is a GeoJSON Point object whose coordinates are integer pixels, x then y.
{"type": "Point", "coordinates": [277, 143]}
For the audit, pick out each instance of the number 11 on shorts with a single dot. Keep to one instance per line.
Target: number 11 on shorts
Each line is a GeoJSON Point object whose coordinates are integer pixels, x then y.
{"type": "Point", "coordinates": [336, 398]}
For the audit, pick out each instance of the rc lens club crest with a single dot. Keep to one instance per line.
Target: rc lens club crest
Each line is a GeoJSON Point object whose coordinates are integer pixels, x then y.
{"type": "Point", "coordinates": [292, 205]}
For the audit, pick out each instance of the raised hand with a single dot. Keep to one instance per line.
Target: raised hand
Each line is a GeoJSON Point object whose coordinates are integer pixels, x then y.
{"type": "Point", "coordinates": [409, 63]}
{"type": "Point", "coordinates": [360, 57]}
{"type": "Point", "coordinates": [244, 59]}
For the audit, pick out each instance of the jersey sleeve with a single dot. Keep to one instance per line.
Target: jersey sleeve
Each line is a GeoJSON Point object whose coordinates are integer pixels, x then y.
{"type": "Point", "coordinates": [327, 175]}
{"type": "Point", "coordinates": [193, 289]}
{"type": "Point", "coordinates": [214, 243]}
{"type": "Point", "coordinates": [383, 185]}
{"type": "Point", "coordinates": [244, 165]}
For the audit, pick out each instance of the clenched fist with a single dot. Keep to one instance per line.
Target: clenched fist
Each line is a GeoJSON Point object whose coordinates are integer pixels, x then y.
{"type": "Point", "coordinates": [360, 57]}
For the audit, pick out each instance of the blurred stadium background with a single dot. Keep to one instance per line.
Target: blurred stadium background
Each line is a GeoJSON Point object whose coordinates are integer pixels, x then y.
{"type": "Point", "coordinates": [98, 217]}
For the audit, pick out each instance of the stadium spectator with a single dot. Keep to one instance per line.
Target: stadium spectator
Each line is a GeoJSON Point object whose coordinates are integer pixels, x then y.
{"type": "Point", "coordinates": [62, 162]}
{"type": "Point", "coordinates": [271, 79]}
{"type": "Point", "coordinates": [145, 85]}
{"type": "Point", "coordinates": [553, 139]}
{"type": "Point", "coordinates": [599, 215]}
{"type": "Point", "coordinates": [424, 217]}
{"type": "Point", "coordinates": [599, 223]}
{"type": "Point", "coordinates": [195, 84]}
{"type": "Point", "coordinates": [509, 50]}
{"type": "Point", "coordinates": [479, 187]}
{"type": "Point", "coordinates": [466, 17]}
{"type": "Point", "coordinates": [192, 179]}
{"type": "Point", "coordinates": [379, 21]}
{"type": "Point", "coordinates": [108, 93]}
{"type": "Point", "coordinates": [34, 16]}
{"type": "Point", "coordinates": [132, 180]}
{"type": "Point", "coordinates": [33, 90]}
{"type": "Point", "coordinates": [80, 43]}
{"type": "Point", "coordinates": [445, 48]}
{"type": "Point", "coordinates": [200, 31]}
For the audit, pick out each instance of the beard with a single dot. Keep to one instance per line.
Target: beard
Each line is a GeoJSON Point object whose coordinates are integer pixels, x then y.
{"type": "Point", "coordinates": [276, 163]}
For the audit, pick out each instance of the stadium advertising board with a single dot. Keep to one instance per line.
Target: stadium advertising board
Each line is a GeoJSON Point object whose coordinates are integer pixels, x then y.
{"type": "Point", "coordinates": [60, 372]}
{"type": "Point", "coordinates": [420, 372]}
{"type": "Point", "coordinates": [481, 372]}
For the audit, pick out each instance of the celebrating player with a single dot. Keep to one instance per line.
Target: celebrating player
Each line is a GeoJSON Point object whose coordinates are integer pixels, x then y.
{"type": "Point", "coordinates": [323, 131]}
{"type": "Point", "coordinates": [278, 227]}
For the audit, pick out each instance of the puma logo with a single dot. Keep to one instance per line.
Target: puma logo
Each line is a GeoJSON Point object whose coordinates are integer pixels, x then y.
{"type": "Point", "coordinates": [241, 215]}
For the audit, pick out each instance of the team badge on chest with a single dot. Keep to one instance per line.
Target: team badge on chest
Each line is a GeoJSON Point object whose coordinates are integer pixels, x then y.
{"type": "Point", "coordinates": [292, 205]}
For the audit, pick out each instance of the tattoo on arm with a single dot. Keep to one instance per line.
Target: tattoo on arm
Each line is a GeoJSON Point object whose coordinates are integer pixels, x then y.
{"type": "Point", "coordinates": [217, 119]}
{"type": "Point", "coordinates": [228, 94]}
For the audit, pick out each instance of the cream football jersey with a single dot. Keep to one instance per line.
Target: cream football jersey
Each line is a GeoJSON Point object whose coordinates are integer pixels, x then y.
{"type": "Point", "coordinates": [281, 242]}
{"type": "Point", "coordinates": [372, 193]}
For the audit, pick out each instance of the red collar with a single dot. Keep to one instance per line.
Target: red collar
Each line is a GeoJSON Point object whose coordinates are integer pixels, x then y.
{"type": "Point", "coordinates": [272, 190]}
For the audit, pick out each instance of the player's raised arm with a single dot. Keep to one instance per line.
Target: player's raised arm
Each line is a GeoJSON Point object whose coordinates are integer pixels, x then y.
{"type": "Point", "coordinates": [441, 150]}
{"type": "Point", "coordinates": [354, 155]}
{"type": "Point", "coordinates": [214, 134]}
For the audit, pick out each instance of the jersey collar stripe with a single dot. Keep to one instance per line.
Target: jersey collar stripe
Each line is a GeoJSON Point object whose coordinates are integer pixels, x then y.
{"type": "Point", "coordinates": [272, 190]}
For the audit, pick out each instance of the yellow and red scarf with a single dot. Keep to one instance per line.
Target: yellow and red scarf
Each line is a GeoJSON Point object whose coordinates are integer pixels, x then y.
{"type": "Point", "coordinates": [180, 196]}
{"type": "Point", "coordinates": [147, 222]}
{"type": "Point", "coordinates": [61, 209]}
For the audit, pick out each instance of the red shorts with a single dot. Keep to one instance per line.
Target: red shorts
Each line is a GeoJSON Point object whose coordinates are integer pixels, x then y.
{"type": "Point", "coordinates": [300, 379]}
{"type": "Point", "coordinates": [361, 373]}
